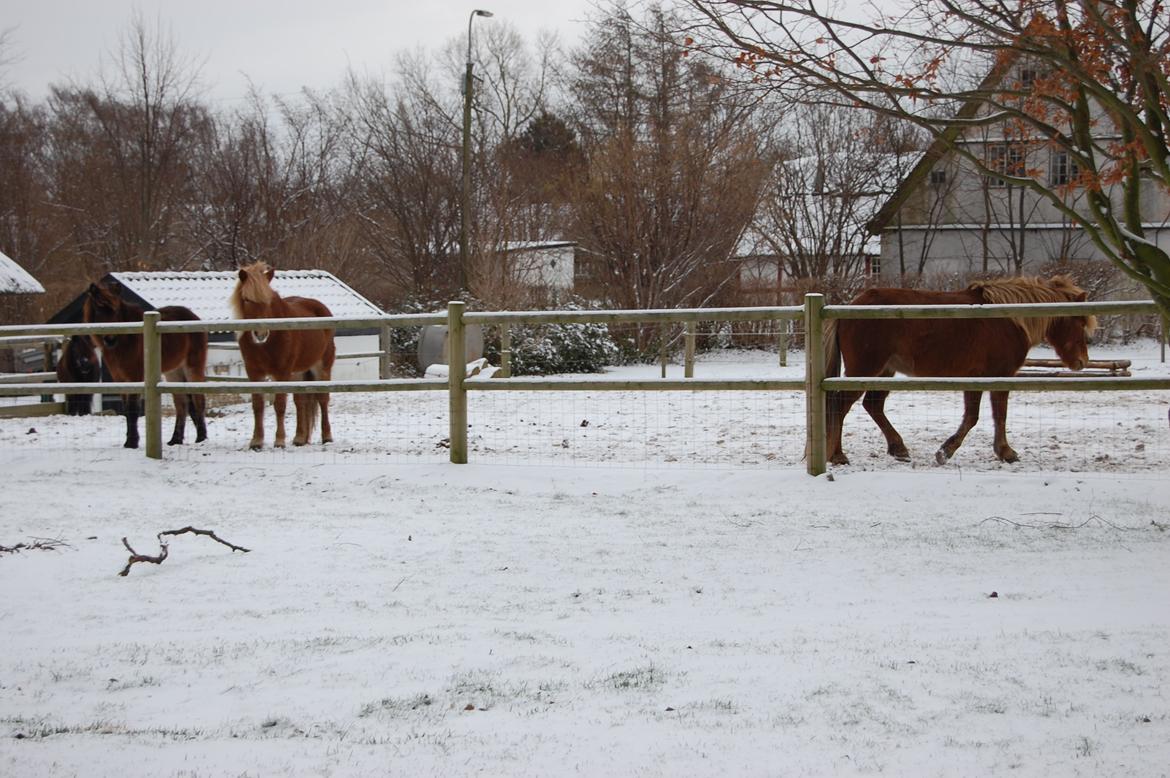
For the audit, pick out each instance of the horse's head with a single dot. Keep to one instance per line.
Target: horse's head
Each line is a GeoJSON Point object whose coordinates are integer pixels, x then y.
{"type": "Point", "coordinates": [253, 295]}
{"type": "Point", "coordinates": [104, 304]}
{"type": "Point", "coordinates": [81, 356]}
{"type": "Point", "coordinates": [1069, 335]}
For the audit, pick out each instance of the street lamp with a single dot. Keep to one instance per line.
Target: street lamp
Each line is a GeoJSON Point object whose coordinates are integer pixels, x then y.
{"type": "Point", "coordinates": [465, 209]}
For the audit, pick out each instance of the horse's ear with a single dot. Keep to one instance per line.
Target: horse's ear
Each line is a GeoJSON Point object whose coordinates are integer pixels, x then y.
{"type": "Point", "coordinates": [270, 273]}
{"type": "Point", "coordinates": [243, 274]}
{"type": "Point", "coordinates": [1080, 297]}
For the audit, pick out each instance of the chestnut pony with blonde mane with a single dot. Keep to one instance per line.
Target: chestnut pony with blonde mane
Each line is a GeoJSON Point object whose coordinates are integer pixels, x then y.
{"type": "Point", "coordinates": [283, 355]}
{"type": "Point", "coordinates": [949, 347]}
{"type": "Point", "coordinates": [184, 357]}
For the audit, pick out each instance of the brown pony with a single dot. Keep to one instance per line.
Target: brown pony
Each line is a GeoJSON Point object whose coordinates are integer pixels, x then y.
{"type": "Point", "coordinates": [283, 355]}
{"type": "Point", "coordinates": [949, 347]}
{"type": "Point", "coordinates": [184, 357]}
{"type": "Point", "coordinates": [78, 365]}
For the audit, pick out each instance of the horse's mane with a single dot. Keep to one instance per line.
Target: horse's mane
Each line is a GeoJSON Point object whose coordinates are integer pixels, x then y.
{"type": "Point", "coordinates": [253, 288]}
{"type": "Point", "coordinates": [1030, 289]}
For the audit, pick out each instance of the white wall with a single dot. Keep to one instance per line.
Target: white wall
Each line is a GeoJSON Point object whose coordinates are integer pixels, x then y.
{"type": "Point", "coordinates": [221, 361]}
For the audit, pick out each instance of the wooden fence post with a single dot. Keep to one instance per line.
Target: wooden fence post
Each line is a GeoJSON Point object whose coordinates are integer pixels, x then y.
{"type": "Point", "coordinates": [814, 393]}
{"type": "Point", "coordinates": [662, 333]}
{"type": "Point", "coordinates": [505, 351]}
{"type": "Point", "coordinates": [689, 358]}
{"type": "Point", "coordinates": [456, 374]}
{"type": "Point", "coordinates": [151, 375]}
{"type": "Point", "coordinates": [782, 342]}
{"type": "Point", "coordinates": [384, 341]}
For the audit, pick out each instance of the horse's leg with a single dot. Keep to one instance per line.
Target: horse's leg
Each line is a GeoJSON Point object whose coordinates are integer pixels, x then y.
{"type": "Point", "coordinates": [280, 403]}
{"type": "Point", "coordinates": [196, 371]}
{"type": "Point", "coordinates": [971, 402]}
{"type": "Point", "coordinates": [130, 408]}
{"type": "Point", "coordinates": [198, 409]}
{"type": "Point", "coordinates": [257, 420]}
{"type": "Point", "coordinates": [305, 408]}
{"type": "Point", "coordinates": [180, 401]}
{"type": "Point", "coordinates": [875, 405]}
{"type": "Point", "coordinates": [999, 414]}
{"type": "Point", "coordinates": [323, 404]}
{"type": "Point", "coordinates": [324, 374]}
{"type": "Point", "coordinates": [837, 405]}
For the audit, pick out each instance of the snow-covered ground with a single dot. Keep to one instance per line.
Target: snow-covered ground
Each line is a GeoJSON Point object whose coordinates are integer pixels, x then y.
{"type": "Point", "coordinates": [660, 590]}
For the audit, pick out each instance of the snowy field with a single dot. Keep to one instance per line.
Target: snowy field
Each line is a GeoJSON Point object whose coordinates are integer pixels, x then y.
{"type": "Point", "coordinates": [618, 584]}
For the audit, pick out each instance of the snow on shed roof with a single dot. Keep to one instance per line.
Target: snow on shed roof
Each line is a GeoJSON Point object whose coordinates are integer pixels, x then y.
{"type": "Point", "coordinates": [14, 279]}
{"type": "Point", "coordinates": [207, 293]}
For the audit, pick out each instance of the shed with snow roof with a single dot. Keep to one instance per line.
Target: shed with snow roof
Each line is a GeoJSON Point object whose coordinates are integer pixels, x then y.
{"type": "Point", "coordinates": [14, 279]}
{"type": "Point", "coordinates": [208, 293]}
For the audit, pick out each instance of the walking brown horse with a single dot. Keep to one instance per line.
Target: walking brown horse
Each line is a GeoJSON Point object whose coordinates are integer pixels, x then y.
{"type": "Point", "coordinates": [949, 347]}
{"type": "Point", "coordinates": [283, 355]}
{"type": "Point", "coordinates": [184, 358]}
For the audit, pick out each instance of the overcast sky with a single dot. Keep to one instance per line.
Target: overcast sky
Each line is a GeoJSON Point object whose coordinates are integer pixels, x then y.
{"type": "Point", "coordinates": [281, 45]}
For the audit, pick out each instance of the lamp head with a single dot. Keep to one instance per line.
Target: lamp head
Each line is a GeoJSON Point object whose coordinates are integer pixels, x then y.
{"type": "Point", "coordinates": [480, 12]}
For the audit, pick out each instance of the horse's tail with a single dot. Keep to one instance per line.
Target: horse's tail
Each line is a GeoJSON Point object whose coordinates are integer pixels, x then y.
{"type": "Point", "coordinates": [309, 407]}
{"type": "Point", "coordinates": [832, 350]}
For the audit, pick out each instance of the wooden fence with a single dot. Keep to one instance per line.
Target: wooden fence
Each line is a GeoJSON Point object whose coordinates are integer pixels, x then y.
{"type": "Point", "coordinates": [814, 384]}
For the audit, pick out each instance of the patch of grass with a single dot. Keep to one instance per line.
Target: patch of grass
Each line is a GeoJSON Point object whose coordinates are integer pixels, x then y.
{"type": "Point", "coordinates": [648, 677]}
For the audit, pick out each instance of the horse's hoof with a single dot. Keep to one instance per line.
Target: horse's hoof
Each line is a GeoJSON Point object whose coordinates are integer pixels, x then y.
{"type": "Point", "coordinates": [839, 459]}
{"type": "Point", "coordinates": [256, 446]}
{"type": "Point", "coordinates": [901, 456]}
{"type": "Point", "coordinates": [940, 457]}
{"type": "Point", "coordinates": [201, 438]}
{"type": "Point", "coordinates": [130, 444]}
{"type": "Point", "coordinates": [299, 443]}
{"type": "Point", "coordinates": [174, 442]}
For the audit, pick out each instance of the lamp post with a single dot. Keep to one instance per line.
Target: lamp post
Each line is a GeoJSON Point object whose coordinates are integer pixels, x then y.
{"type": "Point", "coordinates": [465, 208]}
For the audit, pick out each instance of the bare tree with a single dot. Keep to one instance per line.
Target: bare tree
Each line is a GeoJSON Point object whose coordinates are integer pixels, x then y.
{"type": "Point", "coordinates": [673, 166]}
{"type": "Point", "coordinates": [814, 211]}
{"type": "Point", "coordinates": [123, 151]}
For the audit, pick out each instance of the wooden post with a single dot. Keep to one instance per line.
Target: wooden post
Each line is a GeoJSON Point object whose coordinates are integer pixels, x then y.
{"type": "Point", "coordinates": [689, 358]}
{"type": "Point", "coordinates": [384, 341]}
{"type": "Point", "coordinates": [814, 393]}
{"type": "Point", "coordinates": [1165, 335]}
{"type": "Point", "coordinates": [782, 342]}
{"type": "Point", "coordinates": [506, 351]}
{"type": "Point", "coordinates": [456, 374]}
{"type": "Point", "coordinates": [151, 375]}
{"type": "Point", "coordinates": [662, 348]}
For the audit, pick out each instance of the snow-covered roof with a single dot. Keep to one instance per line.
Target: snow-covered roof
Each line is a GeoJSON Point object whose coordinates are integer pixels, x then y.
{"type": "Point", "coordinates": [536, 245]}
{"type": "Point", "coordinates": [14, 279]}
{"type": "Point", "coordinates": [207, 293]}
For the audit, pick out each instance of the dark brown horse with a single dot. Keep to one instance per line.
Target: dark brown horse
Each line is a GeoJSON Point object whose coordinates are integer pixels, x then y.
{"type": "Point", "coordinates": [184, 358]}
{"type": "Point", "coordinates": [283, 355]}
{"type": "Point", "coordinates": [78, 365]}
{"type": "Point", "coordinates": [949, 347]}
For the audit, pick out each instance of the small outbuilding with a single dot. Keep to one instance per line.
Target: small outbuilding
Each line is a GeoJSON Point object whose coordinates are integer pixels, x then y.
{"type": "Point", "coordinates": [14, 279]}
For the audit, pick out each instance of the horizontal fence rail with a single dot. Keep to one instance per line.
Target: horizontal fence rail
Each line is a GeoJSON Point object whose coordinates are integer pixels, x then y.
{"type": "Point", "coordinates": [814, 384]}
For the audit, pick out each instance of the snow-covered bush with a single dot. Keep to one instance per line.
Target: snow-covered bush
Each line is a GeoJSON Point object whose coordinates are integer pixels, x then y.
{"type": "Point", "coordinates": [559, 348]}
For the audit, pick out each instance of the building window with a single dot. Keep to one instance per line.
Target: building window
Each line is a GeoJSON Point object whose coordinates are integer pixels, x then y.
{"type": "Point", "coordinates": [1027, 77]}
{"type": "Point", "coordinates": [1006, 159]}
{"type": "Point", "coordinates": [874, 263]}
{"type": "Point", "coordinates": [938, 177]}
{"type": "Point", "coordinates": [1062, 170]}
